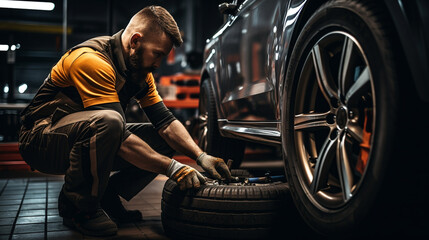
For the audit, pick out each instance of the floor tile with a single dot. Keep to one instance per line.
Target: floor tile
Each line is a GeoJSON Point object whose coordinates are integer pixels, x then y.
{"type": "Point", "coordinates": [5, 229]}
{"type": "Point", "coordinates": [32, 213]}
{"type": "Point", "coordinates": [10, 202]}
{"type": "Point", "coordinates": [35, 196]}
{"type": "Point", "coordinates": [52, 205]}
{"type": "Point", "coordinates": [53, 212]}
{"type": "Point", "coordinates": [6, 221]}
{"type": "Point", "coordinates": [37, 185]}
{"type": "Point", "coordinates": [7, 214]}
{"type": "Point", "coordinates": [41, 197]}
{"type": "Point", "coordinates": [33, 206]}
{"type": "Point", "coordinates": [34, 200]}
{"type": "Point", "coordinates": [27, 220]}
{"type": "Point", "coordinates": [29, 228]}
{"type": "Point", "coordinates": [63, 235]}
{"type": "Point", "coordinates": [29, 236]}
{"type": "Point", "coordinates": [55, 218]}
{"type": "Point", "coordinates": [9, 207]}
{"type": "Point", "coordinates": [11, 197]}
{"type": "Point", "coordinates": [56, 226]}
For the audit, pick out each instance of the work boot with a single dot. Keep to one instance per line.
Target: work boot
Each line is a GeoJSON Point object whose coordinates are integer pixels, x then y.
{"type": "Point", "coordinates": [92, 224]}
{"type": "Point", "coordinates": [95, 223]}
{"type": "Point", "coordinates": [65, 207]}
{"type": "Point", "coordinates": [114, 208]}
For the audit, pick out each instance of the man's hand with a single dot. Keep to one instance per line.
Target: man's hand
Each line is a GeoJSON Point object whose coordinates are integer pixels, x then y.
{"type": "Point", "coordinates": [216, 167]}
{"type": "Point", "coordinates": [185, 176]}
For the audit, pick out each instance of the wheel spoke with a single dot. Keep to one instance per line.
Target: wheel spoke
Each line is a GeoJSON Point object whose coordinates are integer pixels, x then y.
{"type": "Point", "coordinates": [311, 121]}
{"type": "Point", "coordinates": [202, 139]}
{"type": "Point", "coordinates": [323, 164]}
{"type": "Point", "coordinates": [344, 171]}
{"type": "Point", "coordinates": [355, 131]}
{"type": "Point", "coordinates": [344, 65]}
{"type": "Point", "coordinates": [203, 121]}
{"type": "Point", "coordinates": [361, 82]}
{"type": "Point", "coordinates": [323, 75]}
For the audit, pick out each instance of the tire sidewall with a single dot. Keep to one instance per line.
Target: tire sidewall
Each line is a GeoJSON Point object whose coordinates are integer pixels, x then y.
{"type": "Point", "coordinates": [217, 145]}
{"type": "Point", "coordinates": [354, 19]}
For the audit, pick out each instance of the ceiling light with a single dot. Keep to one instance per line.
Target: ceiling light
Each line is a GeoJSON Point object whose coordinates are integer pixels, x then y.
{"type": "Point", "coordinates": [22, 88]}
{"type": "Point", "coordinates": [4, 47]}
{"type": "Point", "coordinates": [29, 5]}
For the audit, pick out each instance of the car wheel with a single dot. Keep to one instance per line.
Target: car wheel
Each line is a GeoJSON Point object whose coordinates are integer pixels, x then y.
{"type": "Point", "coordinates": [209, 138]}
{"type": "Point", "coordinates": [339, 118]}
{"type": "Point", "coordinates": [225, 211]}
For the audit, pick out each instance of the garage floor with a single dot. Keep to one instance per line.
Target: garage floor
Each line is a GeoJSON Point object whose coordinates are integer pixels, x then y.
{"type": "Point", "coordinates": [28, 210]}
{"type": "Point", "coordinates": [28, 207]}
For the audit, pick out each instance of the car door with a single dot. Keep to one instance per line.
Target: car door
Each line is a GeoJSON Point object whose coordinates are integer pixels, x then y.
{"type": "Point", "coordinates": [246, 90]}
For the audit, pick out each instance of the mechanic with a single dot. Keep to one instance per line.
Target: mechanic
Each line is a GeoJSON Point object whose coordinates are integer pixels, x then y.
{"type": "Point", "coordinates": [75, 125]}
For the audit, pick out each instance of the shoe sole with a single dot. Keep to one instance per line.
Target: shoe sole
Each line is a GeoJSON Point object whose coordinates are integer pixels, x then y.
{"type": "Point", "coordinates": [71, 224]}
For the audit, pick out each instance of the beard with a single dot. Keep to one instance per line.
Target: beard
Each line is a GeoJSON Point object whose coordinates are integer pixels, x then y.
{"type": "Point", "coordinates": [138, 72]}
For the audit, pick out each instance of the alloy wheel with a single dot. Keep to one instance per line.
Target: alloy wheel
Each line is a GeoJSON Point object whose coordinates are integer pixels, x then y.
{"type": "Point", "coordinates": [334, 120]}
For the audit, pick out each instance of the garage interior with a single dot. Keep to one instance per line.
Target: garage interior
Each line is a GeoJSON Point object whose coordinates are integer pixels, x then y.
{"type": "Point", "coordinates": [31, 42]}
{"type": "Point", "coordinates": [321, 103]}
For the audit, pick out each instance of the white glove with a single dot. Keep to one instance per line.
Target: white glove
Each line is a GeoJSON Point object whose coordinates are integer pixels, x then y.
{"type": "Point", "coordinates": [185, 176]}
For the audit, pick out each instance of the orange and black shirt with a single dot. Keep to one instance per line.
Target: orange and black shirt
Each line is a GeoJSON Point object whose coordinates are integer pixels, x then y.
{"type": "Point", "coordinates": [93, 75]}
{"type": "Point", "coordinates": [90, 72]}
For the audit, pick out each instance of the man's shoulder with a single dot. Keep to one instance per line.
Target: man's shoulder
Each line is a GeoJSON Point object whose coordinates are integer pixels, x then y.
{"type": "Point", "coordinates": [87, 55]}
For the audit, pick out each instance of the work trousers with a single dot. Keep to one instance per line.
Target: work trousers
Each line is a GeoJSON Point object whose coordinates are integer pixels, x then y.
{"type": "Point", "coordinates": [83, 146]}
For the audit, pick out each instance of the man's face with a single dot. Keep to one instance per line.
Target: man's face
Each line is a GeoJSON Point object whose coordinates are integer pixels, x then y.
{"type": "Point", "coordinates": [148, 54]}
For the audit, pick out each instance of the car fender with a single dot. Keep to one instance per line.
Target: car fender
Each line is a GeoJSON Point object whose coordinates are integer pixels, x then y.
{"type": "Point", "coordinates": [209, 69]}
{"type": "Point", "coordinates": [412, 23]}
{"type": "Point", "coordinates": [294, 18]}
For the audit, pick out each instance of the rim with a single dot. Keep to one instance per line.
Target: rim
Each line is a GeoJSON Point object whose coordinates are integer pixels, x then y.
{"type": "Point", "coordinates": [334, 120]}
{"type": "Point", "coordinates": [202, 121]}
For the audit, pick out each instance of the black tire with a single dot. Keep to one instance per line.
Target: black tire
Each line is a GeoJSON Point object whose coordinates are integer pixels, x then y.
{"type": "Point", "coordinates": [209, 138]}
{"type": "Point", "coordinates": [226, 211]}
{"type": "Point", "coordinates": [332, 193]}
{"type": "Point", "coordinates": [378, 200]}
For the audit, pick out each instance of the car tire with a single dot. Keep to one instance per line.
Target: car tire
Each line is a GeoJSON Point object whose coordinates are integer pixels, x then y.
{"type": "Point", "coordinates": [226, 211]}
{"type": "Point", "coordinates": [209, 138]}
{"type": "Point", "coordinates": [342, 139]}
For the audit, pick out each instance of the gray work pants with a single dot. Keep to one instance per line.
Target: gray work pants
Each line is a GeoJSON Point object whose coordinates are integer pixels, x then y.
{"type": "Point", "coordinates": [83, 146]}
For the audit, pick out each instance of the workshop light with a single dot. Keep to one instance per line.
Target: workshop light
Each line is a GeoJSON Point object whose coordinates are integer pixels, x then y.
{"type": "Point", "coordinates": [28, 5]}
{"type": "Point", "coordinates": [4, 47]}
{"type": "Point", "coordinates": [22, 88]}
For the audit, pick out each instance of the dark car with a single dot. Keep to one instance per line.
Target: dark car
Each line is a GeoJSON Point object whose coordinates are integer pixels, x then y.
{"type": "Point", "coordinates": [342, 87]}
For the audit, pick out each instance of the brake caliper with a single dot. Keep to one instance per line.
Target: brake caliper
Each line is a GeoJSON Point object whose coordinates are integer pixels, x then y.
{"type": "Point", "coordinates": [365, 144]}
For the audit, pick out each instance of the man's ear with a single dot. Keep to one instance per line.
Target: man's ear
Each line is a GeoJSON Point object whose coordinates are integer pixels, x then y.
{"type": "Point", "coordinates": [135, 38]}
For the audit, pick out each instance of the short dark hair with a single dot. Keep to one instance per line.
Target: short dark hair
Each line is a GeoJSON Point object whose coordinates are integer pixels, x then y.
{"type": "Point", "coordinates": [162, 18]}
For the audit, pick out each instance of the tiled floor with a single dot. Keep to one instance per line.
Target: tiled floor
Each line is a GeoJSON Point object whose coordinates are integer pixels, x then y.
{"type": "Point", "coordinates": [28, 206]}
{"type": "Point", "coordinates": [28, 209]}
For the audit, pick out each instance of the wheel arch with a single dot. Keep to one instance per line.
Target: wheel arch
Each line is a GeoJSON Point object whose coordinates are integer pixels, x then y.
{"type": "Point", "coordinates": [404, 20]}
{"type": "Point", "coordinates": [205, 76]}
{"type": "Point", "coordinates": [309, 7]}
{"type": "Point", "coordinates": [410, 28]}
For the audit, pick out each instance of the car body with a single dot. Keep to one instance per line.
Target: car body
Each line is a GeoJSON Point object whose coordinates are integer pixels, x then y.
{"type": "Point", "coordinates": [332, 84]}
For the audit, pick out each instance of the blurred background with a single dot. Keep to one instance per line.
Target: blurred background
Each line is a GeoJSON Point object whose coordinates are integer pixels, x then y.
{"type": "Point", "coordinates": [32, 41]}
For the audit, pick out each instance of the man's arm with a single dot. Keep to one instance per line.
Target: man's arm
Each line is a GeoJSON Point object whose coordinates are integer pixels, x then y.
{"type": "Point", "coordinates": [176, 135]}
{"type": "Point", "coordinates": [140, 154]}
